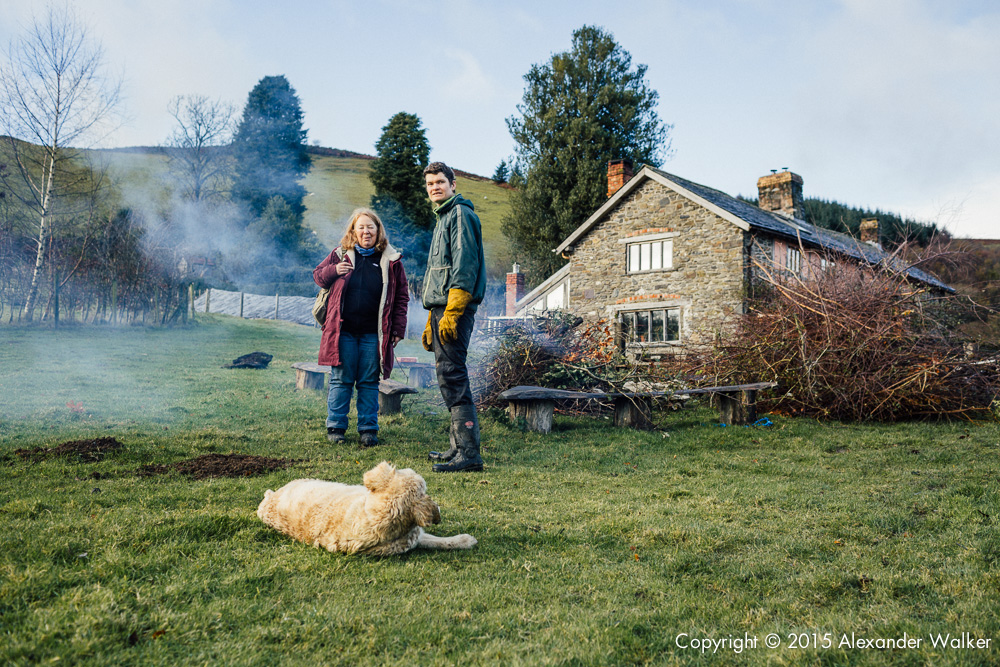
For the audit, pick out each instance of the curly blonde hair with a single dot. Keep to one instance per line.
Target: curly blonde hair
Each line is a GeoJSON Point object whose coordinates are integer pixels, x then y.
{"type": "Point", "coordinates": [350, 238]}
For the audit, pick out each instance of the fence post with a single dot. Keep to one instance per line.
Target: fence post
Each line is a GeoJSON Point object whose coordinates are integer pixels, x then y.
{"type": "Point", "coordinates": [241, 305]}
{"type": "Point", "coordinates": [275, 306]}
{"type": "Point", "coordinates": [191, 299]}
{"type": "Point", "coordinates": [208, 295]}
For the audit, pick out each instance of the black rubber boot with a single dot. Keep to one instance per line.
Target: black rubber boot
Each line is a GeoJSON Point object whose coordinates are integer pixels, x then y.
{"type": "Point", "coordinates": [465, 426]}
{"type": "Point", "coordinates": [453, 449]}
{"type": "Point", "coordinates": [369, 438]}
{"type": "Point", "coordinates": [336, 435]}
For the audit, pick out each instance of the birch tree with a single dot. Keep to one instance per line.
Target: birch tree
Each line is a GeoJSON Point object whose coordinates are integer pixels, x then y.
{"type": "Point", "coordinates": [54, 94]}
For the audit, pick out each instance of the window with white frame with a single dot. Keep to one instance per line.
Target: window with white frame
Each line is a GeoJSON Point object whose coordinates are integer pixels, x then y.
{"type": "Point", "coordinates": [650, 256]}
{"type": "Point", "coordinates": [793, 260]}
{"type": "Point", "coordinates": [660, 325]}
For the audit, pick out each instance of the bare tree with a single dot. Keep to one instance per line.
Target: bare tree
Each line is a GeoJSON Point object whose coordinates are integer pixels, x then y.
{"type": "Point", "coordinates": [53, 94]}
{"type": "Point", "coordinates": [199, 153]}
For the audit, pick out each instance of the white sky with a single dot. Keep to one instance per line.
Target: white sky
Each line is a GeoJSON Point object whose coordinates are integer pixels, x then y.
{"type": "Point", "coordinates": [889, 104]}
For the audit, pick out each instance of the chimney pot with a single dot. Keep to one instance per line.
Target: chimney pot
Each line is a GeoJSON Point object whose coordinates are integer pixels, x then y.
{"type": "Point", "coordinates": [782, 193]}
{"type": "Point", "coordinates": [619, 173]}
{"type": "Point", "coordinates": [869, 232]}
{"type": "Point", "coordinates": [515, 290]}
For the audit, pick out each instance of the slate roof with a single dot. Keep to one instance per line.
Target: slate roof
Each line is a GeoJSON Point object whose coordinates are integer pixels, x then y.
{"type": "Point", "coordinates": [754, 218]}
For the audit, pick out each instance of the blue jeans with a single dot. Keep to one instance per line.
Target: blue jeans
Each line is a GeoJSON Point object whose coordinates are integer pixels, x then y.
{"type": "Point", "coordinates": [359, 366]}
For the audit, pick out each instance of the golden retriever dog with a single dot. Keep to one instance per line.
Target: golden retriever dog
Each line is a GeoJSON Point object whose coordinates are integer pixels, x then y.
{"type": "Point", "coordinates": [384, 517]}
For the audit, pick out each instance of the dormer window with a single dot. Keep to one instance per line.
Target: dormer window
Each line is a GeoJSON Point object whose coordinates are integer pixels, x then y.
{"type": "Point", "coordinates": [650, 256]}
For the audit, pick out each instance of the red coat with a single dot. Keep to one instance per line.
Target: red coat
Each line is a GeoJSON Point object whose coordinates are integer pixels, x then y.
{"type": "Point", "coordinates": [391, 309]}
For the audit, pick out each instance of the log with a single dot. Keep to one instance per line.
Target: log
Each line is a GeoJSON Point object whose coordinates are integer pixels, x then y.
{"type": "Point", "coordinates": [536, 412]}
{"type": "Point", "coordinates": [634, 411]}
{"type": "Point", "coordinates": [390, 396]}
{"type": "Point", "coordinates": [419, 375]}
{"type": "Point", "coordinates": [309, 375]}
{"type": "Point", "coordinates": [737, 407]}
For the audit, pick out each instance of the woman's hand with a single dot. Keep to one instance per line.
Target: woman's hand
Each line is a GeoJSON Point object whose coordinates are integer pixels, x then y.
{"type": "Point", "coordinates": [396, 339]}
{"type": "Point", "coordinates": [344, 267]}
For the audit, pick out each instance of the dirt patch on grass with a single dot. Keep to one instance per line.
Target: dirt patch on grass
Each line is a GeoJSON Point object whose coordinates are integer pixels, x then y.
{"type": "Point", "coordinates": [85, 451]}
{"type": "Point", "coordinates": [219, 465]}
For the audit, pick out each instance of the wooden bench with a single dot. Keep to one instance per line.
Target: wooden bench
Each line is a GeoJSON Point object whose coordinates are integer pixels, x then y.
{"type": "Point", "coordinates": [419, 374]}
{"type": "Point", "coordinates": [309, 375]}
{"type": "Point", "coordinates": [737, 404]}
{"type": "Point", "coordinates": [390, 396]}
{"type": "Point", "coordinates": [390, 393]}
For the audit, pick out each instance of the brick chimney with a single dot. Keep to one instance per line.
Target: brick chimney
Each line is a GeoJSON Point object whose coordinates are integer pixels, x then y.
{"type": "Point", "coordinates": [781, 193]}
{"type": "Point", "coordinates": [619, 172]}
{"type": "Point", "coordinates": [515, 289]}
{"type": "Point", "coordinates": [869, 232]}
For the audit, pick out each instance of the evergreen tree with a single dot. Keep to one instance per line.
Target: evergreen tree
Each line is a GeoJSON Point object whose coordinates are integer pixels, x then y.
{"type": "Point", "coordinates": [502, 173]}
{"type": "Point", "coordinates": [397, 172]}
{"type": "Point", "coordinates": [278, 226]}
{"type": "Point", "coordinates": [893, 228]}
{"type": "Point", "coordinates": [581, 109]}
{"type": "Point", "coordinates": [270, 148]}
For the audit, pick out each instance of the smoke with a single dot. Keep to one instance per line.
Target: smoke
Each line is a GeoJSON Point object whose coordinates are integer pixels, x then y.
{"type": "Point", "coordinates": [218, 243]}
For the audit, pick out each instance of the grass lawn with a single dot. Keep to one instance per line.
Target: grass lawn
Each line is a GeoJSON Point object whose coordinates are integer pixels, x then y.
{"type": "Point", "coordinates": [597, 546]}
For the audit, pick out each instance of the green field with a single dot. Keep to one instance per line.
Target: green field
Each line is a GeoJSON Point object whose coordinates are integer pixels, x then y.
{"type": "Point", "coordinates": [597, 546]}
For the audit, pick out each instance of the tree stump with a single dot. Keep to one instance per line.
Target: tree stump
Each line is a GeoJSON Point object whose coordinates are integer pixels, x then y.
{"type": "Point", "coordinates": [390, 396]}
{"type": "Point", "coordinates": [634, 411]}
{"type": "Point", "coordinates": [737, 407]}
{"type": "Point", "coordinates": [309, 375]}
{"type": "Point", "coordinates": [537, 413]}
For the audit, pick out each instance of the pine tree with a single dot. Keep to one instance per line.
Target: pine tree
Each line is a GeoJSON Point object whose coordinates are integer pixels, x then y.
{"type": "Point", "coordinates": [397, 172]}
{"type": "Point", "coordinates": [581, 109]}
{"type": "Point", "coordinates": [270, 148]}
{"type": "Point", "coordinates": [502, 172]}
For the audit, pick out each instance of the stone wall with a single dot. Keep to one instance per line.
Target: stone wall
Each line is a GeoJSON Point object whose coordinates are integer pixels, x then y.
{"type": "Point", "coordinates": [707, 278]}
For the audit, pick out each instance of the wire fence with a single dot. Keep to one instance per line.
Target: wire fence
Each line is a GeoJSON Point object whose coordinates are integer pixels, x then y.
{"type": "Point", "coordinates": [297, 309]}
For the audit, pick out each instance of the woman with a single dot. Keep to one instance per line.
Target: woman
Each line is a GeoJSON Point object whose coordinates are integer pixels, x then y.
{"type": "Point", "coordinates": [365, 318]}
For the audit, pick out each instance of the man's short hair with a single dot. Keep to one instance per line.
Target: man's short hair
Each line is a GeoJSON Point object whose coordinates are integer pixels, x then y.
{"type": "Point", "coordinates": [440, 168]}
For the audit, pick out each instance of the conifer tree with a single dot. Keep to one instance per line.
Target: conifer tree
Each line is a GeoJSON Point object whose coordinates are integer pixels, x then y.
{"type": "Point", "coordinates": [584, 107]}
{"type": "Point", "coordinates": [269, 148]}
{"type": "Point", "coordinates": [397, 172]}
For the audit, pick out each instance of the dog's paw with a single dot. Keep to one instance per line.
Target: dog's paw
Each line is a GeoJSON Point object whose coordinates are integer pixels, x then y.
{"type": "Point", "coordinates": [464, 541]}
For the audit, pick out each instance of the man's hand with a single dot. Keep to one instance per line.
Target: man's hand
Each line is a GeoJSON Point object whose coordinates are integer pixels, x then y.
{"type": "Point", "coordinates": [427, 337]}
{"type": "Point", "coordinates": [458, 299]}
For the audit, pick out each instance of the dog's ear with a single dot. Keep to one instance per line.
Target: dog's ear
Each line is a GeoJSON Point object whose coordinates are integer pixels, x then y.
{"type": "Point", "coordinates": [426, 512]}
{"type": "Point", "coordinates": [379, 477]}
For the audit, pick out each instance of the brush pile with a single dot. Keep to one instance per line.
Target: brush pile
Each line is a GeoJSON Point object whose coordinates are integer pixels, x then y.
{"type": "Point", "coordinates": [856, 345]}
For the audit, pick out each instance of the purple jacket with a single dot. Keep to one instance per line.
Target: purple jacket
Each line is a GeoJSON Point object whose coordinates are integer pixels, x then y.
{"type": "Point", "coordinates": [391, 309]}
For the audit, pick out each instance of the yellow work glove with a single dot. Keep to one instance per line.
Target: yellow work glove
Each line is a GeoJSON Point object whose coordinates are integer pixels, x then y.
{"type": "Point", "coordinates": [458, 299]}
{"type": "Point", "coordinates": [427, 338]}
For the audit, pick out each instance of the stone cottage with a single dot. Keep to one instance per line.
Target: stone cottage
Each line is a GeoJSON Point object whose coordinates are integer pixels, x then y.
{"type": "Point", "coordinates": [670, 260]}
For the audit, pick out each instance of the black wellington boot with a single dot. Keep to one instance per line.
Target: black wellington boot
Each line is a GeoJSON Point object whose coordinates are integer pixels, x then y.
{"type": "Point", "coordinates": [465, 426]}
{"type": "Point", "coordinates": [453, 449]}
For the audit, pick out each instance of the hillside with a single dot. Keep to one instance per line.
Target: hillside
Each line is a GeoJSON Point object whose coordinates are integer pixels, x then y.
{"type": "Point", "coordinates": [337, 184]}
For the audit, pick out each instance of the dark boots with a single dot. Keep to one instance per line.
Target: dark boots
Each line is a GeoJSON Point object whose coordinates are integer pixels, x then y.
{"type": "Point", "coordinates": [464, 435]}
{"type": "Point", "coordinates": [452, 450]}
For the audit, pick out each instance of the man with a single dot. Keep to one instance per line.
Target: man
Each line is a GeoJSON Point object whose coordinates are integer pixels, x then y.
{"type": "Point", "coordinates": [454, 286]}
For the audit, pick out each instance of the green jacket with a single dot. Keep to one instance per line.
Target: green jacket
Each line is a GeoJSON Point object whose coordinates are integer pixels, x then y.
{"type": "Point", "coordinates": [456, 258]}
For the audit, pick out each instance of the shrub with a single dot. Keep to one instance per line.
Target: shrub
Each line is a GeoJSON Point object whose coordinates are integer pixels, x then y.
{"type": "Point", "coordinates": [560, 352]}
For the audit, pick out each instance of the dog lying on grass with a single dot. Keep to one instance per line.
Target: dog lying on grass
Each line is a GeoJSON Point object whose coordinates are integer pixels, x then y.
{"type": "Point", "coordinates": [381, 518]}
